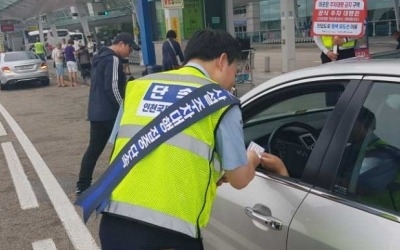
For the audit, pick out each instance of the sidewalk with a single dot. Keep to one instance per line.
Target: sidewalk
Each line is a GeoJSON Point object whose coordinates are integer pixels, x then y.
{"type": "Point", "coordinates": [307, 55]}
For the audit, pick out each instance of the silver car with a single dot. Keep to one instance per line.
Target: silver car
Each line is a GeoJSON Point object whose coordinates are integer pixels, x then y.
{"type": "Point", "coordinates": [22, 67]}
{"type": "Point", "coordinates": [337, 129]}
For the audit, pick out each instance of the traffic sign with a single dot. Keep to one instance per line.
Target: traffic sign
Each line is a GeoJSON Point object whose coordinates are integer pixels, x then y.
{"type": "Point", "coordinates": [339, 17]}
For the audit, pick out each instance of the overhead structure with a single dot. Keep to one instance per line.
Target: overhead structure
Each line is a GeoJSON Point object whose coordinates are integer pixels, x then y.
{"type": "Point", "coordinates": [26, 9]}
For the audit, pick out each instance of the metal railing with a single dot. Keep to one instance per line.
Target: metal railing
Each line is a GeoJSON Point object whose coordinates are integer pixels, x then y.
{"type": "Point", "coordinates": [374, 28]}
{"type": "Point", "coordinates": [274, 36]}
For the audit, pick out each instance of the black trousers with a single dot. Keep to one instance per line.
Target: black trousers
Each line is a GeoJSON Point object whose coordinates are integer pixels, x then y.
{"type": "Point", "coordinates": [100, 132]}
{"type": "Point", "coordinates": [342, 54]}
{"type": "Point", "coordinates": [125, 234]}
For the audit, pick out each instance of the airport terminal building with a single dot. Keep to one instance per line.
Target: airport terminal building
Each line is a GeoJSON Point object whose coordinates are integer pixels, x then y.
{"type": "Point", "coordinates": [258, 20]}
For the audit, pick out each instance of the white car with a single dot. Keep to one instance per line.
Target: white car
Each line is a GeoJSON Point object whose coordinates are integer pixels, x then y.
{"type": "Point", "coordinates": [337, 129]}
{"type": "Point", "coordinates": [22, 67]}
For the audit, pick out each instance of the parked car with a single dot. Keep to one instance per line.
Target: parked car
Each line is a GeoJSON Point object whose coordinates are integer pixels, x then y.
{"type": "Point", "coordinates": [336, 128]}
{"type": "Point", "coordinates": [386, 54]}
{"type": "Point", "coordinates": [22, 67]}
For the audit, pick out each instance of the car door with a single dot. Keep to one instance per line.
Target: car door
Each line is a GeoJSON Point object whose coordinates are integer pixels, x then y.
{"type": "Point", "coordinates": [356, 201]}
{"type": "Point", "coordinates": [259, 216]}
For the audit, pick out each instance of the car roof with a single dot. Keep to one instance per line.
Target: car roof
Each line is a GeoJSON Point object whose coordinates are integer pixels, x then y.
{"type": "Point", "coordinates": [381, 67]}
{"type": "Point", "coordinates": [17, 52]}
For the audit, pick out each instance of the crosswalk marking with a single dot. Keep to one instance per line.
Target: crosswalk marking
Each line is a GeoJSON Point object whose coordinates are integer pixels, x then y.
{"type": "Point", "coordinates": [2, 130]}
{"type": "Point", "coordinates": [47, 244]}
{"type": "Point", "coordinates": [26, 196]}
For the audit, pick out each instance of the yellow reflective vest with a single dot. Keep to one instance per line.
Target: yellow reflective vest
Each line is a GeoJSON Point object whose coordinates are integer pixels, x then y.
{"type": "Point", "coordinates": [39, 48]}
{"type": "Point", "coordinates": [327, 41]}
{"type": "Point", "coordinates": [174, 186]}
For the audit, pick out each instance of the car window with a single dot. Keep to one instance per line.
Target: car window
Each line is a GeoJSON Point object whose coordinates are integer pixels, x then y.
{"type": "Point", "coordinates": [296, 105]}
{"type": "Point", "coordinates": [369, 168]}
{"type": "Point", "coordinates": [62, 33]}
{"type": "Point", "coordinates": [288, 122]}
{"type": "Point", "coordinates": [19, 56]}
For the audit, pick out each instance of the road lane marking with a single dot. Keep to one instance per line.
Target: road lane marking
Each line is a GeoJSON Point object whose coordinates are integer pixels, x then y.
{"type": "Point", "coordinates": [47, 244]}
{"type": "Point", "coordinates": [26, 196]}
{"type": "Point", "coordinates": [2, 130]}
{"type": "Point", "coordinates": [44, 245]}
{"type": "Point", "coordinates": [78, 233]}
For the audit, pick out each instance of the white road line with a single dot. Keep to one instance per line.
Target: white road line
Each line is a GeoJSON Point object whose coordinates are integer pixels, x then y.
{"type": "Point", "coordinates": [26, 196]}
{"type": "Point", "coordinates": [78, 233]}
{"type": "Point", "coordinates": [2, 130]}
{"type": "Point", "coordinates": [44, 245]}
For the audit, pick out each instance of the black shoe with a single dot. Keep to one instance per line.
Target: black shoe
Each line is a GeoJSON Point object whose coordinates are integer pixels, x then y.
{"type": "Point", "coordinates": [78, 192]}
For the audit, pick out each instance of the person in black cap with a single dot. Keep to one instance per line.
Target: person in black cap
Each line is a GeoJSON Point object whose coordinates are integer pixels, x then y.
{"type": "Point", "coordinates": [106, 94]}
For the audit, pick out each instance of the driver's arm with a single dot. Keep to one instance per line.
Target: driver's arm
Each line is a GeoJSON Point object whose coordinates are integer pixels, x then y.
{"type": "Point", "coordinates": [273, 164]}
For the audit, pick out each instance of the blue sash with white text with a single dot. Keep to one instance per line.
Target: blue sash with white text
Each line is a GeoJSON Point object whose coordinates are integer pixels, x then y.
{"type": "Point", "coordinates": [211, 97]}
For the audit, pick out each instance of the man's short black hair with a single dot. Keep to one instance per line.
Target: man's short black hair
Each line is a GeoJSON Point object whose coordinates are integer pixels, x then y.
{"type": "Point", "coordinates": [209, 44]}
{"type": "Point", "coordinates": [171, 34]}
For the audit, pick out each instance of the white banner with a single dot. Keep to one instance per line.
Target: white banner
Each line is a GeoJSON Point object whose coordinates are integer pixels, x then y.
{"type": "Point", "coordinates": [172, 4]}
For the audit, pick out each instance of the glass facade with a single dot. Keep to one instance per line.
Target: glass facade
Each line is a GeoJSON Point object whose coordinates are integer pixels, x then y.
{"type": "Point", "coordinates": [381, 16]}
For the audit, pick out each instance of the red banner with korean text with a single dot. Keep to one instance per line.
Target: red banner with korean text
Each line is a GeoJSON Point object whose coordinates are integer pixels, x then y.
{"type": "Point", "coordinates": [7, 27]}
{"type": "Point", "coordinates": [339, 18]}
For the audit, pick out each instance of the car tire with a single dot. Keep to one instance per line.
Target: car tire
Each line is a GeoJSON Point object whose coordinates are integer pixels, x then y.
{"type": "Point", "coordinates": [46, 82]}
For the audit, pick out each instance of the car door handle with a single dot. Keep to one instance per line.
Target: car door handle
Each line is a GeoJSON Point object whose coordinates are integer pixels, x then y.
{"type": "Point", "coordinates": [264, 218]}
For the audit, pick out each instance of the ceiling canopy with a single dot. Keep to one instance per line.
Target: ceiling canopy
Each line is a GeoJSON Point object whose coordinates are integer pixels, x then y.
{"type": "Point", "coordinates": [25, 9]}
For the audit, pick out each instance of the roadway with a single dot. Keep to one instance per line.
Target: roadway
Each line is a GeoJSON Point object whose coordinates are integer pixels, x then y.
{"type": "Point", "coordinates": [43, 135]}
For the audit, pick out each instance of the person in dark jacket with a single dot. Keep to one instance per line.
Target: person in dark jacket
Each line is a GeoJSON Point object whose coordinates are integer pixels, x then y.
{"type": "Point", "coordinates": [106, 94]}
{"type": "Point", "coordinates": [170, 49]}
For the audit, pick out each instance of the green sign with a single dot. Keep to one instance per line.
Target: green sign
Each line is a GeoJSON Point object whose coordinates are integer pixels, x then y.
{"type": "Point", "coordinates": [192, 17]}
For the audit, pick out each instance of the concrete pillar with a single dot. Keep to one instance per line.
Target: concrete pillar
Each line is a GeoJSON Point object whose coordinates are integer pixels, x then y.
{"type": "Point", "coordinates": [26, 42]}
{"type": "Point", "coordinates": [135, 23]}
{"type": "Point", "coordinates": [396, 13]}
{"type": "Point", "coordinates": [90, 9]}
{"type": "Point", "coordinates": [230, 26]}
{"type": "Point", "coordinates": [135, 28]}
{"type": "Point", "coordinates": [253, 17]}
{"type": "Point", "coordinates": [83, 15]}
{"type": "Point", "coordinates": [9, 42]}
{"type": "Point", "coordinates": [288, 35]}
{"type": "Point", "coordinates": [2, 40]}
{"type": "Point", "coordinates": [40, 25]}
{"type": "Point", "coordinates": [52, 23]}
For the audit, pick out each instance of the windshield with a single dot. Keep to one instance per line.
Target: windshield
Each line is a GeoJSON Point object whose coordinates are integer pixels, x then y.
{"type": "Point", "coordinates": [295, 106]}
{"type": "Point", "coordinates": [19, 56]}
{"type": "Point", "coordinates": [34, 38]}
{"type": "Point", "coordinates": [77, 36]}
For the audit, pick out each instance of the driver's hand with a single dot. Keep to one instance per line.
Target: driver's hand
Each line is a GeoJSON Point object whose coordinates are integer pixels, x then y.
{"type": "Point", "coordinates": [332, 55]}
{"type": "Point", "coordinates": [222, 180]}
{"type": "Point", "coordinates": [338, 40]}
{"type": "Point", "coordinates": [273, 164]}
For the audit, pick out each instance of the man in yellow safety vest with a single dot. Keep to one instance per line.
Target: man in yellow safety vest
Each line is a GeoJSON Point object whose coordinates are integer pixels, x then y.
{"type": "Point", "coordinates": [345, 47]}
{"type": "Point", "coordinates": [165, 199]}
{"type": "Point", "coordinates": [40, 49]}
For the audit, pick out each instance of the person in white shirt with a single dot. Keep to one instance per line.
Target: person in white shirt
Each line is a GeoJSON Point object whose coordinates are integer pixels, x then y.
{"type": "Point", "coordinates": [77, 44]}
{"type": "Point", "coordinates": [58, 56]}
{"type": "Point", "coordinates": [90, 46]}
